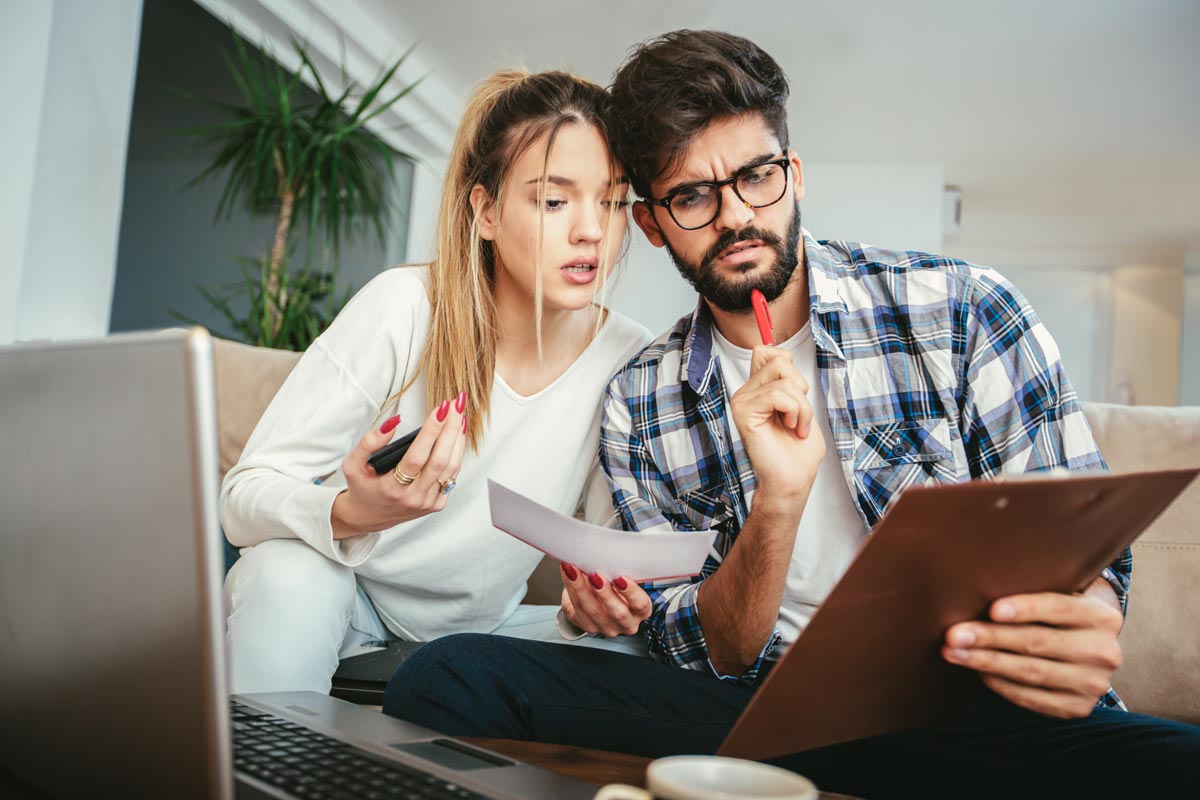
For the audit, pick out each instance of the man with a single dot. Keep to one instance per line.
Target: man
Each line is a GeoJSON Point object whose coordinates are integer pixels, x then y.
{"type": "Point", "coordinates": [893, 369]}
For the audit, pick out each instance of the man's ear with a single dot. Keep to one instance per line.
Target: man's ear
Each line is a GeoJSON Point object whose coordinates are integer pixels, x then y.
{"type": "Point", "coordinates": [797, 174]}
{"type": "Point", "coordinates": [643, 215]}
{"type": "Point", "coordinates": [485, 212]}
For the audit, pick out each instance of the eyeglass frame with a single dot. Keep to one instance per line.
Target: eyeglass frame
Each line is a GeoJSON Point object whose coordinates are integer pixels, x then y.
{"type": "Point", "coordinates": [784, 161]}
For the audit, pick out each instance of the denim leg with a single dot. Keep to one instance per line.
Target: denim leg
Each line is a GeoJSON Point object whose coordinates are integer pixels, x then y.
{"type": "Point", "coordinates": [487, 685]}
{"type": "Point", "coordinates": [999, 750]}
{"type": "Point", "coordinates": [481, 685]}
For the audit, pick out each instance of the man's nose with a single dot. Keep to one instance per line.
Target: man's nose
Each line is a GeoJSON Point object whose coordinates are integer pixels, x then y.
{"type": "Point", "coordinates": [735, 212]}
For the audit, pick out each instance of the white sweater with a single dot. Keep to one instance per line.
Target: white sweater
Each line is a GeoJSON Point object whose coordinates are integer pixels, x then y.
{"type": "Point", "coordinates": [446, 572]}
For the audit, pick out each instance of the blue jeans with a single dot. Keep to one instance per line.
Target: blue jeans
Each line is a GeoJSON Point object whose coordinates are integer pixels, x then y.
{"type": "Point", "coordinates": [495, 686]}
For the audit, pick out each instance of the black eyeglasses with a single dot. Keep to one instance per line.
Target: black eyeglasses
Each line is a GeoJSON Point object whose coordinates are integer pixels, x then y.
{"type": "Point", "coordinates": [697, 204]}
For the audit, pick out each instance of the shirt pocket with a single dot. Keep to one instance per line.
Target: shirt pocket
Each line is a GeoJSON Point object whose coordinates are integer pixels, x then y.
{"type": "Point", "coordinates": [890, 458]}
{"type": "Point", "coordinates": [706, 509]}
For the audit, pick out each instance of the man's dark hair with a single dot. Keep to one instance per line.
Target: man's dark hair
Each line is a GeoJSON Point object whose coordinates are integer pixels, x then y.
{"type": "Point", "coordinates": [674, 86]}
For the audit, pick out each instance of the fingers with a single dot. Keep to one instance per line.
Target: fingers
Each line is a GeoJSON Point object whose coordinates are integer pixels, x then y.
{"type": "Point", "coordinates": [777, 387]}
{"type": "Point", "coordinates": [599, 607]}
{"type": "Point", "coordinates": [771, 364]}
{"type": "Point", "coordinates": [635, 598]}
{"type": "Point", "coordinates": [1086, 646]}
{"type": "Point", "coordinates": [371, 441]}
{"type": "Point", "coordinates": [1043, 701]}
{"type": "Point", "coordinates": [571, 604]}
{"type": "Point", "coordinates": [439, 460]}
{"type": "Point", "coordinates": [783, 398]}
{"type": "Point", "coordinates": [1081, 679]}
{"type": "Point", "coordinates": [1053, 608]}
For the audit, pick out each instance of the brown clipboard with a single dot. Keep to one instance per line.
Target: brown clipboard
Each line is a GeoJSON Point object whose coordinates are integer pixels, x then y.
{"type": "Point", "coordinates": [870, 663]}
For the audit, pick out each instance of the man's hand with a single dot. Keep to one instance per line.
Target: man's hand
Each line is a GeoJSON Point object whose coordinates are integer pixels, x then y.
{"type": "Point", "coordinates": [595, 605]}
{"type": "Point", "coordinates": [775, 419]}
{"type": "Point", "coordinates": [1050, 653]}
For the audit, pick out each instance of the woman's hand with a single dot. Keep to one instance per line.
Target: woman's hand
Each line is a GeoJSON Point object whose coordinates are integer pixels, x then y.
{"type": "Point", "coordinates": [595, 605]}
{"type": "Point", "coordinates": [374, 502]}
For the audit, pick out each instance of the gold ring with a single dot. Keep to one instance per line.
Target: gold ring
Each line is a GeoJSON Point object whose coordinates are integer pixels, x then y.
{"type": "Point", "coordinates": [401, 478]}
{"type": "Point", "coordinates": [448, 485]}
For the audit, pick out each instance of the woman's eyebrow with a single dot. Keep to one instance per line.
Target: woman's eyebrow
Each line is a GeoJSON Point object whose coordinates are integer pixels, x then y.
{"type": "Point", "coordinates": [557, 180]}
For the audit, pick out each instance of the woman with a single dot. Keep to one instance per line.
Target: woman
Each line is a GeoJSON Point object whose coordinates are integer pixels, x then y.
{"type": "Point", "coordinates": [497, 350]}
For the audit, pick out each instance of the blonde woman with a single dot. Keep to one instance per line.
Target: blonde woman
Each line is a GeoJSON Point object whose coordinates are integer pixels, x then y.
{"type": "Point", "coordinates": [499, 350]}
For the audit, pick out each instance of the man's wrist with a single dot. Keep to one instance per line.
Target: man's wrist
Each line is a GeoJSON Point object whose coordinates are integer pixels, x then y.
{"type": "Point", "coordinates": [780, 507]}
{"type": "Point", "coordinates": [1103, 591]}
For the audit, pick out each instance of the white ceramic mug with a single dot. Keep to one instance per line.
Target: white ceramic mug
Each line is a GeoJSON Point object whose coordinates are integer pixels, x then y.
{"type": "Point", "coordinates": [713, 778]}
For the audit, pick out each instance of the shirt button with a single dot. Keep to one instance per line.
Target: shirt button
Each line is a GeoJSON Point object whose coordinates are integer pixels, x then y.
{"type": "Point", "coordinates": [899, 449]}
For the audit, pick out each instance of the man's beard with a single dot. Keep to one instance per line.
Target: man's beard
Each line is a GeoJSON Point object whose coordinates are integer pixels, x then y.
{"type": "Point", "coordinates": [729, 293]}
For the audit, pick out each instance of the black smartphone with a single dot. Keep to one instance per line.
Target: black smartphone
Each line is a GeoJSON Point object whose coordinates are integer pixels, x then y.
{"type": "Point", "coordinates": [387, 457]}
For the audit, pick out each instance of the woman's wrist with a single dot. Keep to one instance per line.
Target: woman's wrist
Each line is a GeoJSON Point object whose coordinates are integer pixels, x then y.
{"type": "Point", "coordinates": [342, 518]}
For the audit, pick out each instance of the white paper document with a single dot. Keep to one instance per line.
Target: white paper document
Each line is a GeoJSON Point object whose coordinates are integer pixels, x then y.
{"type": "Point", "coordinates": [639, 557]}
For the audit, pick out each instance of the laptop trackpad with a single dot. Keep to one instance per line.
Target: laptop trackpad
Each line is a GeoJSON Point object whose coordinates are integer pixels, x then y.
{"type": "Point", "coordinates": [452, 755]}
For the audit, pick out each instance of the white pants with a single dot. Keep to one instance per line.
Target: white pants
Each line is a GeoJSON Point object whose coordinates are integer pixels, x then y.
{"type": "Point", "coordinates": [293, 613]}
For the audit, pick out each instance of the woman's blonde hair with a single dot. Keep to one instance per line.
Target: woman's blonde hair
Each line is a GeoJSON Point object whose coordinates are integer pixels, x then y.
{"type": "Point", "coordinates": [509, 111]}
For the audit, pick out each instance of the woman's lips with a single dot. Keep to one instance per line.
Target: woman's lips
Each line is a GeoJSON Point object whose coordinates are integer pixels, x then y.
{"type": "Point", "coordinates": [578, 275]}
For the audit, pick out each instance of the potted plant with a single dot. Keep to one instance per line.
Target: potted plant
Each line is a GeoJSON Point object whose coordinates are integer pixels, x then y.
{"type": "Point", "coordinates": [314, 165]}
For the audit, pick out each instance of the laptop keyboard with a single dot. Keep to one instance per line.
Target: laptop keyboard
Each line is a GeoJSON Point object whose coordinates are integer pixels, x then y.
{"type": "Point", "coordinates": [310, 765]}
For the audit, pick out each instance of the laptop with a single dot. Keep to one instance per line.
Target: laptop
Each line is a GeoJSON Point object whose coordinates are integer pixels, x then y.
{"type": "Point", "coordinates": [112, 662]}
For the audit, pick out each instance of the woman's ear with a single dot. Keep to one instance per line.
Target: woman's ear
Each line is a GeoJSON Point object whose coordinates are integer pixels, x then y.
{"type": "Point", "coordinates": [485, 212]}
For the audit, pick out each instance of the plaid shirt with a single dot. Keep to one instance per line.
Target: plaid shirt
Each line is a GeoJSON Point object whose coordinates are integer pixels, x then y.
{"type": "Point", "coordinates": [934, 371]}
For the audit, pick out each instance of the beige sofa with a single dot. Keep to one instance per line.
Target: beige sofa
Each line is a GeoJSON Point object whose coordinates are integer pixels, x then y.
{"type": "Point", "coordinates": [1161, 640]}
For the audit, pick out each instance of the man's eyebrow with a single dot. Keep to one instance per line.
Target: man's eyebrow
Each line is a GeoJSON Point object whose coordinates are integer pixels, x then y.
{"type": "Point", "coordinates": [751, 162]}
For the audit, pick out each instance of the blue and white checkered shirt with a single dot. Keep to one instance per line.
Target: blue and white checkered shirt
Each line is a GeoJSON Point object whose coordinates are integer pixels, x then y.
{"type": "Point", "coordinates": [934, 371]}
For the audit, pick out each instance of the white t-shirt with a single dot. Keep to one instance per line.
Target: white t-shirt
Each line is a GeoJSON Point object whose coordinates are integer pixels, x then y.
{"type": "Point", "coordinates": [831, 529]}
{"type": "Point", "coordinates": [446, 572]}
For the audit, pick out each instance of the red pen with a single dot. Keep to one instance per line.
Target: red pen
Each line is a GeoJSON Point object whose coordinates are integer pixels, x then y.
{"type": "Point", "coordinates": [762, 315]}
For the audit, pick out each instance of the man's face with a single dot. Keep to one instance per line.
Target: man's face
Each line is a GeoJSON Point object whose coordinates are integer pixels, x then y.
{"type": "Point", "coordinates": [743, 248]}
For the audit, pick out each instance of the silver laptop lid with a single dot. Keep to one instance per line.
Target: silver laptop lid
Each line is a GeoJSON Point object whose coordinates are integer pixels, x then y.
{"type": "Point", "coordinates": [112, 668]}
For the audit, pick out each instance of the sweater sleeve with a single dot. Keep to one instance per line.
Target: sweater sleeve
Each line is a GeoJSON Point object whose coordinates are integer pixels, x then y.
{"type": "Point", "coordinates": [289, 474]}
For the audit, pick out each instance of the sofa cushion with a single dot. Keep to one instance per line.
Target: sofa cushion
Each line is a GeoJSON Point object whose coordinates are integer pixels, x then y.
{"type": "Point", "coordinates": [1161, 640]}
{"type": "Point", "coordinates": [247, 378]}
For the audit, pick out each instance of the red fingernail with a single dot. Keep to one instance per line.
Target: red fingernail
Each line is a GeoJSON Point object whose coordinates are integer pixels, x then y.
{"type": "Point", "coordinates": [443, 410]}
{"type": "Point", "coordinates": [621, 584]}
{"type": "Point", "coordinates": [389, 424]}
{"type": "Point", "coordinates": [570, 572]}
{"type": "Point", "coordinates": [464, 423]}
{"type": "Point", "coordinates": [461, 402]}
{"type": "Point", "coordinates": [596, 580]}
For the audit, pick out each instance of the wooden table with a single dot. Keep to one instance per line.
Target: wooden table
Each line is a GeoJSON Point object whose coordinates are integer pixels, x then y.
{"type": "Point", "coordinates": [597, 767]}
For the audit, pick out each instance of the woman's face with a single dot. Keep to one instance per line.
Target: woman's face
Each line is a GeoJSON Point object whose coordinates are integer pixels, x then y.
{"type": "Point", "coordinates": [578, 203]}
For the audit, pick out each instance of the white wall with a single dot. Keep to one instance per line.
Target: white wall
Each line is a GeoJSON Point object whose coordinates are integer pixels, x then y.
{"type": "Point", "coordinates": [70, 183]}
{"type": "Point", "coordinates": [24, 50]}
{"type": "Point", "coordinates": [1189, 379]}
{"type": "Point", "coordinates": [893, 206]}
{"type": "Point", "coordinates": [1147, 328]}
